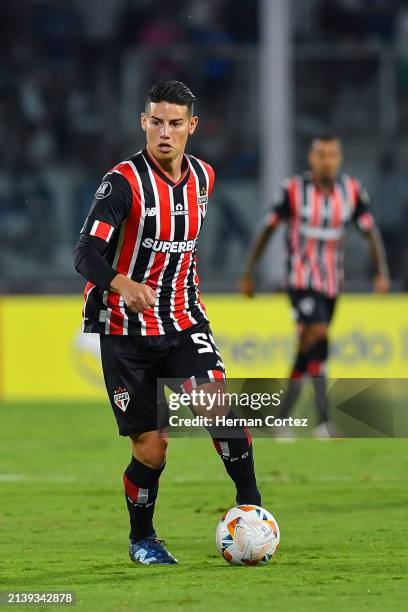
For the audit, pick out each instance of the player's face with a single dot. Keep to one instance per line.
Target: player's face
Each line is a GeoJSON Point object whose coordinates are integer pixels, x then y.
{"type": "Point", "coordinates": [167, 128]}
{"type": "Point", "coordinates": [325, 158]}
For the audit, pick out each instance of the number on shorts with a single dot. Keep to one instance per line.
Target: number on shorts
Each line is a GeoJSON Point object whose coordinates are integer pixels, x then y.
{"type": "Point", "coordinates": [201, 339]}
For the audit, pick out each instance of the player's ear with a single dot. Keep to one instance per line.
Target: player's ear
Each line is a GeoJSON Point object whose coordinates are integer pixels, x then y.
{"type": "Point", "coordinates": [143, 121]}
{"type": "Point", "coordinates": [193, 124]}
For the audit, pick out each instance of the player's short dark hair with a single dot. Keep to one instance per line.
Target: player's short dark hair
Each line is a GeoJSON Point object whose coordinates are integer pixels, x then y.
{"type": "Point", "coordinates": [325, 137]}
{"type": "Point", "coordinates": [173, 92]}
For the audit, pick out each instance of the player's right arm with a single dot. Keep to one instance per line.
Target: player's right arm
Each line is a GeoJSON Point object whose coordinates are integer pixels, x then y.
{"type": "Point", "coordinates": [110, 207]}
{"type": "Point", "coordinates": [275, 214]}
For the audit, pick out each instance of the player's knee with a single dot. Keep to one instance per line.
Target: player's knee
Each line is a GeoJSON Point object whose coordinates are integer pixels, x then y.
{"type": "Point", "coordinates": [313, 334]}
{"type": "Point", "coordinates": [320, 333]}
{"type": "Point", "coordinates": [157, 454]}
{"type": "Point", "coordinates": [212, 400]}
{"type": "Point", "coordinates": [151, 449]}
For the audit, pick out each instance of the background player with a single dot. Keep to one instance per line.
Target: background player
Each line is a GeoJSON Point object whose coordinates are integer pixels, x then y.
{"type": "Point", "coordinates": [137, 251]}
{"type": "Point", "coordinates": [317, 207]}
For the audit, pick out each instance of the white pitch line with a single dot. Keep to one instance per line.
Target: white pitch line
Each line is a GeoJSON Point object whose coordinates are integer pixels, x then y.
{"type": "Point", "coordinates": [296, 479]}
{"type": "Point", "coordinates": [43, 478]}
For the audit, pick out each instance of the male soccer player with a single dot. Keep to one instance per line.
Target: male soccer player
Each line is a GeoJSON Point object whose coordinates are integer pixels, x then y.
{"type": "Point", "coordinates": [317, 206]}
{"type": "Point", "coordinates": [137, 250]}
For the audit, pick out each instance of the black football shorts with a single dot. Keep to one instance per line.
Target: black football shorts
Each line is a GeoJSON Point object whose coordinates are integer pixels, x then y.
{"type": "Point", "coordinates": [310, 306]}
{"type": "Point", "coordinates": [132, 364]}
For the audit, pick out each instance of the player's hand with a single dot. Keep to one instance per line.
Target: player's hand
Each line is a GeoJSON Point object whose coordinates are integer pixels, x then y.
{"type": "Point", "coordinates": [381, 283]}
{"type": "Point", "coordinates": [137, 296]}
{"type": "Point", "coordinates": [247, 285]}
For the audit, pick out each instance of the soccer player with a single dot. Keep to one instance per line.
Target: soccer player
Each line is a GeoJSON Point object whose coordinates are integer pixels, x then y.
{"type": "Point", "coordinates": [317, 207]}
{"type": "Point", "coordinates": [137, 250]}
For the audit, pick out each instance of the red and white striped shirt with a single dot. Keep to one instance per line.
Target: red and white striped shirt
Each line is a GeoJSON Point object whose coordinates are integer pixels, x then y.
{"type": "Point", "coordinates": [316, 225]}
{"type": "Point", "coordinates": [151, 226]}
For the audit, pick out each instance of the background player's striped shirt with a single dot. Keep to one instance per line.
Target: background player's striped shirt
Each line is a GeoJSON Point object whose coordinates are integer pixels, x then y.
{"type": "Point", "coordinates": [150, 226]}
{"type": "Point", "coordinates": [316, 225]}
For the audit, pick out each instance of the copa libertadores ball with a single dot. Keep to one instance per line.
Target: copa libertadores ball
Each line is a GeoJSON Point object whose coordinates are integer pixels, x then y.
{"type": "Point", "coordinates": [247, 535]}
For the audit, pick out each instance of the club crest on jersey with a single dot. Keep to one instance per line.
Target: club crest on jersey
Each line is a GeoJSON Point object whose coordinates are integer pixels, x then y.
{"type": "Point", "coordinates": [203, 197]}
{"type": "Point", "coordinates": [103, 190]}
{"type": "Point", "coordinates": [121, 398]}
{"type": "Point", "coordinates": [202, 201]}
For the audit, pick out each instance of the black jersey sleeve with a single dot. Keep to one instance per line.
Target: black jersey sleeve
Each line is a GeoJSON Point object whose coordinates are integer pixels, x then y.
{"type": "Point", "coordinates": [280, 209]}
{"type": "Point", "coordinates": [111, 205]}
{"type": "Point", "coordinates": [90, 262]}
{"type": "Point", "coordinates": [362, 215]}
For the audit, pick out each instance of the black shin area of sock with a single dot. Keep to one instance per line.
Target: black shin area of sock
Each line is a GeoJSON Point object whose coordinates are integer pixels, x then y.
{"type": "Point", "coordinates": [295, 384]}
{"type": "Point", "coordinates": [316, 369]}
{"type": "Point", "coordinates": [234, 445]}
{"type": "Point", "coordinates": [300, 365]}
{"type": "Point", "coordinates": [141, 487]}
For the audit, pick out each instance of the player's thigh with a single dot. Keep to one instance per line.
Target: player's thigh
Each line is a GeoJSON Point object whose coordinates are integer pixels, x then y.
{"type": "Point", "coordinates": [310, 308]}
{"type": "Point", "coordinates": [195, 363]}
{"type": "Point", "coordinates": [210, 399]}
{"type": "Point", "coordinates": [130, 374]}
{"type": "Point", "coordinates": [196, 355]}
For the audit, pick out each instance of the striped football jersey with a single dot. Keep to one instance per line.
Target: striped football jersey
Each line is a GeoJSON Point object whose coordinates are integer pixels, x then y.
{"type": "Point", "coordinates": [316, 226]}
{"type": "Point", "coordinates": [150, 225]}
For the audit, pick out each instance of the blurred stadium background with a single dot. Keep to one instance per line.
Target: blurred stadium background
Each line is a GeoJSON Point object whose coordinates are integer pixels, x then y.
{"type": "Point", "coordinates": [268, 75]}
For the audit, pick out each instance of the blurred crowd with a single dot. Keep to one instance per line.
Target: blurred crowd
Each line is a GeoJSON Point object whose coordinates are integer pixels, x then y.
{"type": "Point", "coordinates": [353, 20]}
{"type": "Point", "coordinates": [72, 81]}
{"type": "Point", "coordinates": [73, 78]}
{"type": "Point", "coordinates": [65, 63]}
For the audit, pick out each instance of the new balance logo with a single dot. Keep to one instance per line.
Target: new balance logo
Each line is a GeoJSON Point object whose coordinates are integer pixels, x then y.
{"type": "Point", "coordinates": [150, 212]}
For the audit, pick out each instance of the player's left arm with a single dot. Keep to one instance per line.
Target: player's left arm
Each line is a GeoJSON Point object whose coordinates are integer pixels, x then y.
{"type": "Point", "coordinates": [369, 230]}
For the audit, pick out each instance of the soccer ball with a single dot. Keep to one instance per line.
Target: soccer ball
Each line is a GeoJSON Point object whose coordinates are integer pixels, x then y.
{"type": "Point", "coordinates": [247, 535]}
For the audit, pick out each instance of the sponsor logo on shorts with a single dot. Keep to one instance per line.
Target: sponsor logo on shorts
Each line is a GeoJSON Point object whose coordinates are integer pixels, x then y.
{"type": "Point", "coordinates": [103, 190]}
{"type": "Point", "coordinates": [167, 246]}
{"type": "Point", "coordinates": [121, 398]}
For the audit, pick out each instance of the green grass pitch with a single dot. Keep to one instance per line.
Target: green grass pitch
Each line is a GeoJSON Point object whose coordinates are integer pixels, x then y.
{"type": "Point", "coordinates": [341, 507]}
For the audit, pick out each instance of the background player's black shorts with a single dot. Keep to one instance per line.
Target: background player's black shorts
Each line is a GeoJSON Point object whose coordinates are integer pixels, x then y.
{"type": "Point", "coordinates": [132, 364]}
{"type": "Point", "coordinates": [310, 306]}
